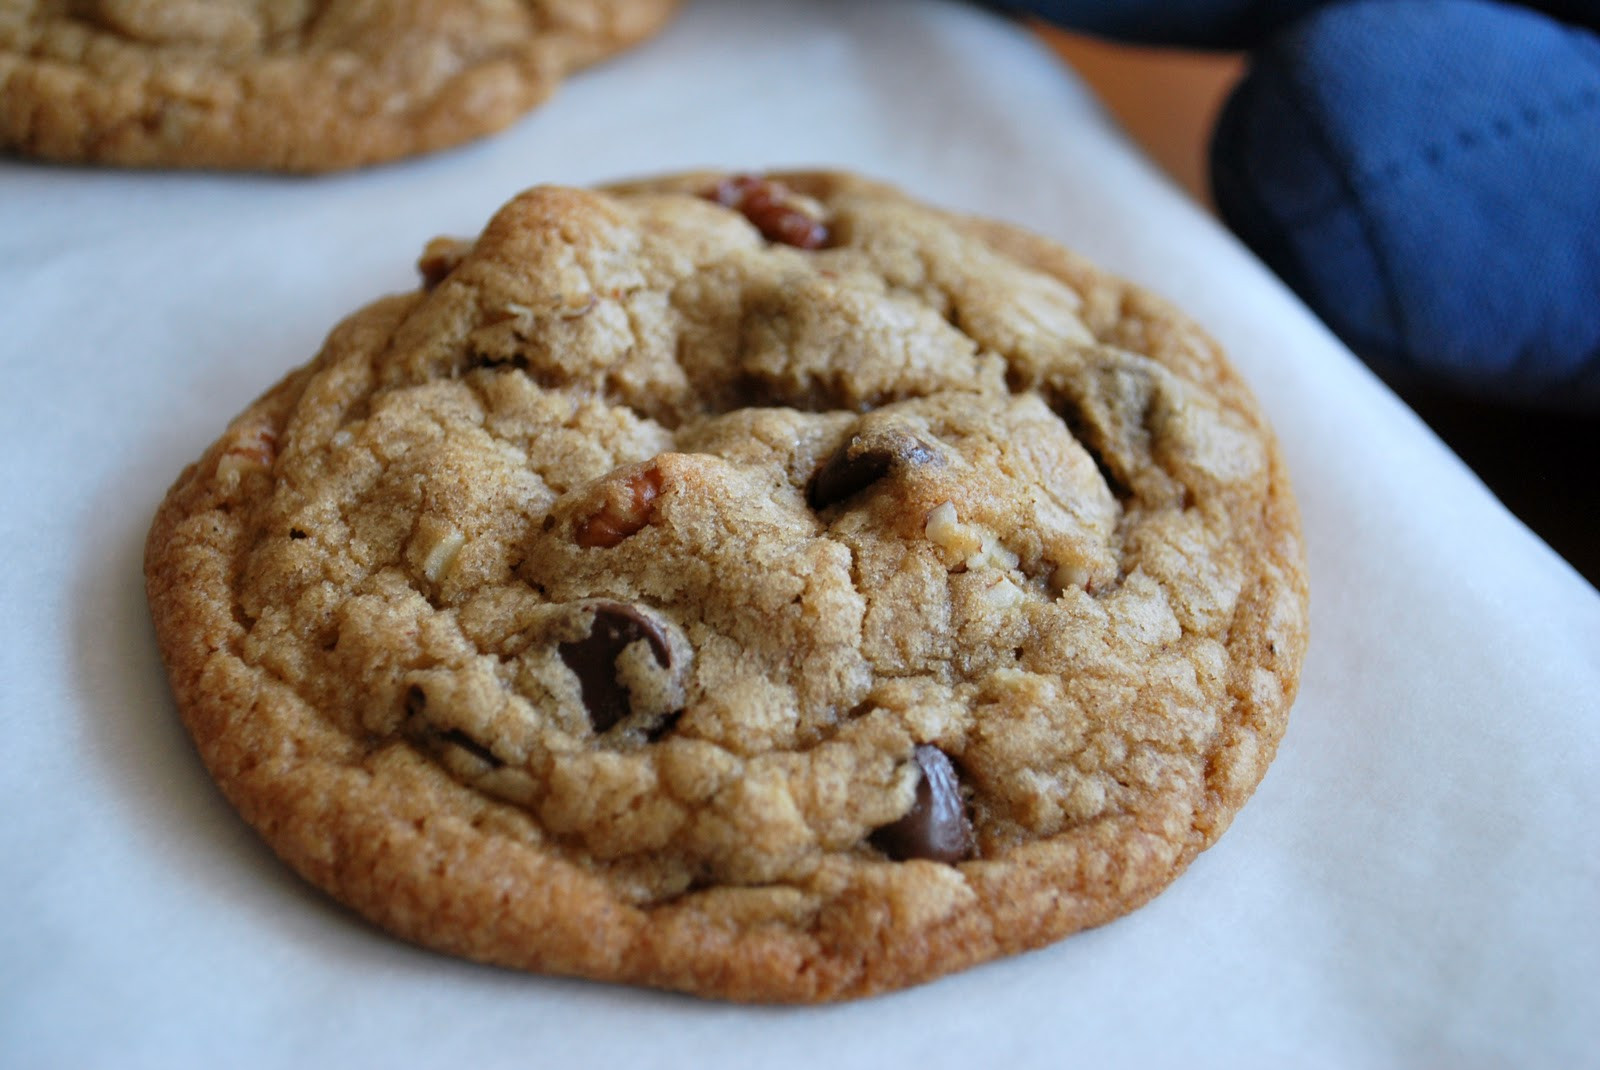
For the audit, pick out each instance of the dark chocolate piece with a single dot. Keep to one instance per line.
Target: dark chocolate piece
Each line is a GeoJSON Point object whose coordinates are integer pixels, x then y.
{"type": "Point", "coordinates": [936, 826]}
{"type": "Point", "coordinates": [594, 659]}
{"type": "Point", "coordinates": [865, 459]}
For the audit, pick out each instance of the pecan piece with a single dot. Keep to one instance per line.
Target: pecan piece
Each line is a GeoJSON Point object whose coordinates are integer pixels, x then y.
{"type": "Point", "coordinates": [772, 209]}
{"type": "Point", "coordinates": [439, 258]}
{"type": "Point", "coordinates": [626, 506]}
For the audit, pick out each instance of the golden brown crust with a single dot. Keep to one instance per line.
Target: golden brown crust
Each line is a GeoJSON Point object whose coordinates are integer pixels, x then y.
{"type": "Point", "coordinates": [289, 85]}
{"type": "Point", "coordinates": [1076, 570]}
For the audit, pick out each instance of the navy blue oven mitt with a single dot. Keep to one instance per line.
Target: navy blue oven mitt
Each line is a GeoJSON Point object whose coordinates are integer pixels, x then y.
{"type": "Point", "coordinates": [1424, 173]}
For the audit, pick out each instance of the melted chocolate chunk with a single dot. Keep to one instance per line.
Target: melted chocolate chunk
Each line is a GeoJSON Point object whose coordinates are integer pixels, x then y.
{"type": "Point", "coordinates": [936, 826]}
{"type": "Point", "coordinates": [424, 732]}
{"type": "Point", "coordinates": [1091, 441]}
{"type": "Point", "coordinates": [865, 459]}
{"type": "Point", "coordinates": [658, 731]}
{"type": "Point", "coordinates": [594, 659]}
{"type": "Point", "coordinates": [457, 738]}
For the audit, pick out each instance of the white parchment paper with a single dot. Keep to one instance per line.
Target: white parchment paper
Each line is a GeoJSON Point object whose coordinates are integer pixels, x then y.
{"type": "Point", "coordinates": [1417, 882]}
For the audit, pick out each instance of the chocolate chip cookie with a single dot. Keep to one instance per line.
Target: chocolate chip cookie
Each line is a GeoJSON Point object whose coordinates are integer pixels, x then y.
{"type": "Point", "coordinates": [291, 85]}
{"type": "Point", "coordinates": [766, 587]}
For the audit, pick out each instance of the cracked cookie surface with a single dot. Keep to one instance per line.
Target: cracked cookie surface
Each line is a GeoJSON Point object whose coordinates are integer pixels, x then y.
{"type": "Point", "coordinates": [291, 85]}
{"type": "Point", "coordinates": [770, 588]}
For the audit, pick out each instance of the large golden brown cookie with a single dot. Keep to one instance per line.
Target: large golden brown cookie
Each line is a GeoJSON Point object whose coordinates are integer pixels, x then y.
{"type": "Point", "coordinates": [769, 588]}
{"type": "Point", "coordinates": [292, 85]}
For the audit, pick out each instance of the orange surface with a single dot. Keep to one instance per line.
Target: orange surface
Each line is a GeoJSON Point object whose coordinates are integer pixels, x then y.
{"type": "Point", "coordinates": [1167, 99]}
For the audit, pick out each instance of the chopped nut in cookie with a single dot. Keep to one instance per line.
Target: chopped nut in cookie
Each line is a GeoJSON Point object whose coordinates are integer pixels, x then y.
{"type": "Point", "coordinates": [439, 258]}
{"type": "Point", "coordinates": [249, 449]}
{"type": "Point", "coordinates": [626, 506]}
{"type": "Point", "coordinates": [439, 546]}
{"type": "Point", "coordinates": [966, 545]}
{"type": "Point", "coordinates": [779, 213]}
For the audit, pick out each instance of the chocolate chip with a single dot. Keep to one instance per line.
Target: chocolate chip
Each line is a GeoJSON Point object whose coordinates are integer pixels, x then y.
{"type": "Point", "coordinates": [1116, 407]}
{"type": "Point", "coordinates": [1090, 441]}
{"type": "Point", "coordinates": [457, 738]}
{"type": "Point", "coordinates": [656, 732]}
{"type": "Point", "coordinates": [936, 826]}
{"type": "Point", "coordinates": [425, 732]}
{"type": "Point", "coordinates": [865, 459]}
{"type": "Point", "coordinates": [594, 659]}
{"type": "Point", "coordinates": [771, 209]}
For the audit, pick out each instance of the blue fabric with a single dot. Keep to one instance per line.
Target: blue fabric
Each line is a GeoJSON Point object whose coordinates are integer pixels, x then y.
{"type": "Point", "coordinates": [1231, 24]}
{"type": "Point", "coordinates": [1424, 173]}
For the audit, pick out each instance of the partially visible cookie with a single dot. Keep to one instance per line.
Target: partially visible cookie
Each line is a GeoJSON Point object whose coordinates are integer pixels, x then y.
{"type": "Point", "coordinates": [770, 588]}
{"type": "Point", "coordinates": [290, 85]}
